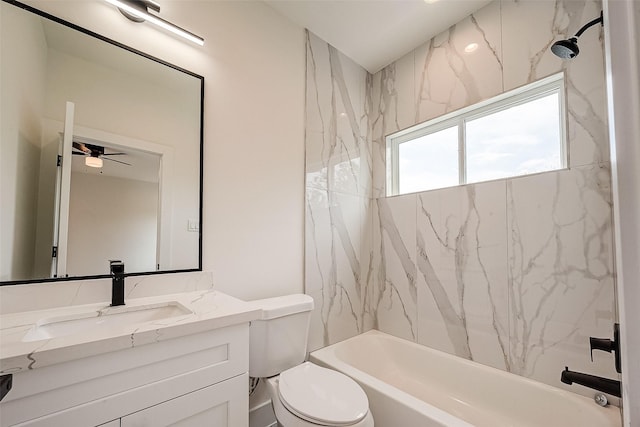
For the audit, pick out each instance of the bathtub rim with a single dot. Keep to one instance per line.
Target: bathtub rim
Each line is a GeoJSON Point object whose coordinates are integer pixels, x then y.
{"type": "Point", "coordinates": [327, 357]}
{"type": "Point", "coordinates": [319, 357]}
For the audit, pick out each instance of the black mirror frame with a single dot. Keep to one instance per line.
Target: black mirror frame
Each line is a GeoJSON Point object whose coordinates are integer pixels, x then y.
{"type": "Point", "coordinates": [159, 61]}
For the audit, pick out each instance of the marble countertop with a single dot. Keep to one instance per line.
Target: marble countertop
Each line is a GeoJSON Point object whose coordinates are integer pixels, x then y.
{"type": "Point", "coordinates": [208, 310]}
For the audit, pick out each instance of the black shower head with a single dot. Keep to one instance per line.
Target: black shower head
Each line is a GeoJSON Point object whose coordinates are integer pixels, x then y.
{"type": "Point", "coordinates": [566, 49]}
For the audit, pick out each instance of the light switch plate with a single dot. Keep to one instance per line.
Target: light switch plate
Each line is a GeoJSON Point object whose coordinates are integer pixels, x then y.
{"type": "Point", "coordinates": [193, 225]}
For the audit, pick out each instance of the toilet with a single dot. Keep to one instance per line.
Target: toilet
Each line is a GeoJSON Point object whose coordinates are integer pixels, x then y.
{"type": "Point", "coordinates": [303, 394]}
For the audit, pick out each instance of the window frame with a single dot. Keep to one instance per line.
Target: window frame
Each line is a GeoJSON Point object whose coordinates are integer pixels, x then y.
{"type": "Point", "coordinates": [519, 96]}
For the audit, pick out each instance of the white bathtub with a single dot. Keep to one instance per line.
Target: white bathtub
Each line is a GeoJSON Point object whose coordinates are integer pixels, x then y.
{"type": "Point", "coordinates": [412, 385]}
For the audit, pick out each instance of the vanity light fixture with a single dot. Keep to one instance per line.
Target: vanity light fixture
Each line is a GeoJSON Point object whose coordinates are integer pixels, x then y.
{"type": "Point", "coordinates": [138, 11]}
{"type": "Point", "coordinates": [93, 162]}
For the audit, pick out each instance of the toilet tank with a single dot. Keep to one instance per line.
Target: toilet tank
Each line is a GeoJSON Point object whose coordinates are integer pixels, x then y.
{"type": "Point", "coordinates": [278, 340]}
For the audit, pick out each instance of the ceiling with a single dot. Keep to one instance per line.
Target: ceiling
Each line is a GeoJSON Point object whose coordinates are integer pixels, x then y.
{"type": "Point", "coordinates": [375, 33]}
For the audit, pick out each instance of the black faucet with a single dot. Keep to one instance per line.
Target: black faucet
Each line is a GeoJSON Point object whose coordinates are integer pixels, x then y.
{"type": "Point", "coordinates": [117, 282]}
{"type": "Point", "coordinates": [605, 344]}
{"type": "Point", "coordinates": [604, 385]}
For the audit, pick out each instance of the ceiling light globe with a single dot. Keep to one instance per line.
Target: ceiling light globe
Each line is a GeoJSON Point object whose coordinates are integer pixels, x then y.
{"type": "Point", "coordinates": [93, 162]}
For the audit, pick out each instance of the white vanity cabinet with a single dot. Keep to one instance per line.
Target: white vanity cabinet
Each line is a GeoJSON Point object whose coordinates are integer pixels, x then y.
{"type": "Point", "coordinates": [196, 380]}
{"type": "Point", "coordinates": [211, 406]}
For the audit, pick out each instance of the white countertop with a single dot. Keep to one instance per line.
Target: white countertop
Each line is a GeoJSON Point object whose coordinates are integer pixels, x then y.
{"type": "Point", "coordinates": [209, 310]}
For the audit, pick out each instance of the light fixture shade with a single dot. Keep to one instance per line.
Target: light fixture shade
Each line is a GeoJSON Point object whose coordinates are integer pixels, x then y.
{"type": "Point", "coordinates": [131, 11]}
{"type": "Point", "coordinates": [93, 162]}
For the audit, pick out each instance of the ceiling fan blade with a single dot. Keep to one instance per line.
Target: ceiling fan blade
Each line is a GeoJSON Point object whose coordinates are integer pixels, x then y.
{"type": "Point", "coordinates": [117, 161]}
{"type": "Point", "coordinates": [114, 154]}
{"type": "Point", "coordinates": [79, 153]}
{"type": "Point", "coordinates": [81, 147]}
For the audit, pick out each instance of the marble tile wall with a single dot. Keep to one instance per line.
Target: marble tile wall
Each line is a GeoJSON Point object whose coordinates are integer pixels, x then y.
{"type": "Point", "coordinates": [516, 273]}
{"type": "Point", "coordinates": [338, 195]}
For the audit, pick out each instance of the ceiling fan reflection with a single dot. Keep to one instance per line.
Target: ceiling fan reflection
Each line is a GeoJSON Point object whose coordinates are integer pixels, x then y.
{"type": "Point", "coordinates": [95, 154]}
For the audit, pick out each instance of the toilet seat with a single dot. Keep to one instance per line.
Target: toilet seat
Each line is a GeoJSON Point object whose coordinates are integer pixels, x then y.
{"type": "Point", "coordinates": [322, 396]}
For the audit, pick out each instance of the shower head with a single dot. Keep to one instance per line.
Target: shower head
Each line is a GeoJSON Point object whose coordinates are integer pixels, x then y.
{"type": "Point", "coordinates": [568, 49]}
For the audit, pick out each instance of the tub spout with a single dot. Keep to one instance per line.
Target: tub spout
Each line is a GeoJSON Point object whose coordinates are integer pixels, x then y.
{"type": "Point", "coordinates": [604, 385]}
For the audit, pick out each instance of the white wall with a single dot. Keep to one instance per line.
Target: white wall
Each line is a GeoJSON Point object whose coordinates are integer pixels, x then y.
{"type": "Point", "coordinates": [104, 212]}
{"type": "Point", "coordinates": [622, 30]}
{"type": "Point", "coordinates": [22, 87]}
{"type": "Point", "coordinates": [253, 64]}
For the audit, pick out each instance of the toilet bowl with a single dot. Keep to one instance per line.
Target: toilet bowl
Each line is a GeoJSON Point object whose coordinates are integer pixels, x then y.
{"type": "Point", "coordinates": [311, 396]}
{"type": "Point", "coordinates": [302, 394]}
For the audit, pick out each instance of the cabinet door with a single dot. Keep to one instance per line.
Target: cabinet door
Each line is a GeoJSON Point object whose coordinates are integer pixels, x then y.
{"type": "Point", "coordinates": [219, 405]}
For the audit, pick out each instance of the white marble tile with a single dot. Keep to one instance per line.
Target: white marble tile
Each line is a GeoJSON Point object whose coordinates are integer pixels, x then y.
{"type": "Point", "coordinates": [338, 176]}
{"type": "Point", "coordinates": [317, 328]}
{"type": "Point", "coordinates": [533, 26]}
{"type": "Point", "coordinates": [318, 85]}
{"type": "Point", "coordinates": [560, 271]}
{"type": "Point", "coordinates": [333, 238]}
{"type": "Point", "coordinates": [318, 239]}
{"type": "Point", "coordinates": [316, 170]}
{"type": "Point", "coordinates": [392, 98]}
{"type": "Point", "coordinates": [367, 148]}
{"type": "Point", "coordinates": [395, 295]}
{"type": "Point", "coordinates": [376, 126]}
{"type": "Point", "coordinates": [334, 319]}
{"type": "Point", "coordinates": [462, 272]}
{"type": "Point", "coordinates": [368, 260]}
{"type": "Point", "coordinates": [333, 270]}
{"type": "Point", "coordinates": [379, 175]}
{"type": "Point", "coordinates": [448, 77]}
{"type": "Point", "coordinates": [586, 94]}
{"type": "Point", "coordinates": [334, 116]}
{"type": "Point", "coordinates": [530, 27]}
{"type": "Point", "coordinates": [587, 123]}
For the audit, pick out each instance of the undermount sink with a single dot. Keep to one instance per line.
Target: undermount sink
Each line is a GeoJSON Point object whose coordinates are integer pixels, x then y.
{"type": "Point", "coordinates": [61, 326]}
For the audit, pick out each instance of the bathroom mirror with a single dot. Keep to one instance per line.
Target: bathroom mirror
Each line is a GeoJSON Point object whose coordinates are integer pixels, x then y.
{"type": "Point", "coordinates": [130, 126]}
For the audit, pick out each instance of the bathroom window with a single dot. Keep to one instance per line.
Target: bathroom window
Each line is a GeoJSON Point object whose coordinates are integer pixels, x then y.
{"type": "Point", "coordinates": [517, 133]}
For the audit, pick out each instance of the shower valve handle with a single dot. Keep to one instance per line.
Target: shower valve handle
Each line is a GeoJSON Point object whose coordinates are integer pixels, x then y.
{"type": "Point", "coordinates": [605, 344]}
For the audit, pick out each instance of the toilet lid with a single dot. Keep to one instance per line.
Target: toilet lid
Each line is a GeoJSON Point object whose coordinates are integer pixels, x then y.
{"type": "Point", "coordinates": [322, 396]}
